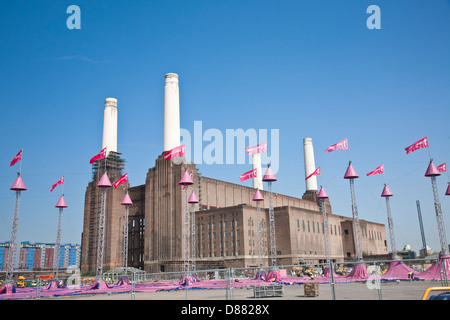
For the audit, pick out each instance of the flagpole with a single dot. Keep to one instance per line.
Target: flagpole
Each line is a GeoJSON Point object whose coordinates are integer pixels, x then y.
{"type": "Point", "coordinates": [20, 166]}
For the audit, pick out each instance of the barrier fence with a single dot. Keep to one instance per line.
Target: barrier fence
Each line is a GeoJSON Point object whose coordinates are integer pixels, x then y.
{"type": "Point", "coordinates": [377, 280]}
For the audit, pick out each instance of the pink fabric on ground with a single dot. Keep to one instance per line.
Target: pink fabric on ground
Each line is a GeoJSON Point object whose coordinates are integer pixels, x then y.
{"type": "Point", "coordinates": [433, 272]}
{"type": "Point", "coordinates": [397, 271]}
{"type": "Point", "coordinates": [273, 276]}
{"type": "Point", "coordinates": [359, 272]}
{"type": "Point", "coordinates": [53, 285]}
{"type": "Point", "coordinates": [7, 289]}
{"type": "Point", "coordinates": [99, 285]}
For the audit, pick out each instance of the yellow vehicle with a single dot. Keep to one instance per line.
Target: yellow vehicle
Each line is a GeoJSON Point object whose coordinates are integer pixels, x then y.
{"type": "Point", "coordinates": [441, 296]}
{"type": "Point", "coordinates": [21, 283]}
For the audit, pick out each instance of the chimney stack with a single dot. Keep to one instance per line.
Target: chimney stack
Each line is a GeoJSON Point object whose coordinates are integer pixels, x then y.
{"type": "Point", "coordinates": [171, 112]}
{"type": "Point", "coordinates": [110, 125]}
{"type": "Point", "coordinates": [310, 166]}
{"type": "Point", "coordinates": [257, 181]}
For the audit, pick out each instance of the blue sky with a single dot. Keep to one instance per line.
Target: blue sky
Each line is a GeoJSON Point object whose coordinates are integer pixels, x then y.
{"type": "Point", "coordinates": [307, 68]}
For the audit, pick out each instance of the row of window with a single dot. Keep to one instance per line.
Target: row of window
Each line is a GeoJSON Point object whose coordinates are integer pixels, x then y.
{"type": "Point", "coordinates": [222, 234]}
{"type": "Point", "coordinates": [316, 226]}
{"type": "Point", "coordinates": [336, 229]}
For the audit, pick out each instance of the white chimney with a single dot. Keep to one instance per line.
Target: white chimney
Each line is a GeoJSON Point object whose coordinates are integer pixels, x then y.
{"type": "Point", "coordinates": [110, 125]}
{"type": "Point", "coordinates": [310, 166]}
{"type": "Point", "coordinates": [257, 181]}
{"type": "Point", "coordinates": [171, 112]}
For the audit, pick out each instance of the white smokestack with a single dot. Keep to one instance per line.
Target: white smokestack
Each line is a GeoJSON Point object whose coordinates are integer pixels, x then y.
{"type": "Point", "coordinates": [110, 125]}
{"type": "Point", "coordinates": [310, 166]}
{"type": "Point", "coordinates": [171, 112]}
{"type": "Point", "coordinates": [256, 161]}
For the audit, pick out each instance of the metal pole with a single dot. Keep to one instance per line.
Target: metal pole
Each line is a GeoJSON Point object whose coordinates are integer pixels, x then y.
{"type": "Point", "coordinates": [260, 245]}
{"type": "Point", "coordinates": [273, 244]}
{"type": "Point", "coordinates": [193, 240]}
{"type": "Point", "coordinates": [333, 285]}
{"type": "Point", "coordinates": [57, 245]}
{"type": "Point", "coordinates": [422, 232]}
{"type": "Point", "coordinates": [13, 241]}
{"type": "Point", "coordinates": [391, 228]}
{"type": "Point", "coordinates": [125, 242]}
{"type": "Point", "coordinates": [101, 237]}
{"type": "Point", "coordinates": [356, 228]}
{"type": "Point", "coordinates": [186, 233]}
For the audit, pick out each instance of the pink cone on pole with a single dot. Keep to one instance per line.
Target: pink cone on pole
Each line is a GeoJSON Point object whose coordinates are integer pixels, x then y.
{"type": "Point", "coordinates": [61, 203]}
{"type": "Point", "coordinates": [258, 196]}
{"type": "Point", "coordinates": [18, 185]}
{"type": "Point", "coordinates": [126, 200]}
{"type": "Point", "coordinates": [447, 193]}
{"type": "Point", "coordinates": [186, 179]}
{"type": "Point", "coordinates": [193, 198]}
{"type": "Point", "coordinates": [104, 182]}
{"type": "Point", "coordinates": [386, 192]}
{"type": "Point", "coordinates": [432, 171]}
{"type": "Point", "coordinates": [269, 176]}
{"type": "Point", "coordinates": [322, 194]}
{"type": "Point", "coordinates": [350, 173]}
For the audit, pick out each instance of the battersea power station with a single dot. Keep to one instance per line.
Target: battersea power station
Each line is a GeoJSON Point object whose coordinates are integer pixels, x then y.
{"type": "Point", "coordinates": [225, 228]}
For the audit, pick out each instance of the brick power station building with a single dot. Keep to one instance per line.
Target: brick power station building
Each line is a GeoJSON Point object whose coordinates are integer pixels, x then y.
{"type": "Point", "coordinates": [225, 217]}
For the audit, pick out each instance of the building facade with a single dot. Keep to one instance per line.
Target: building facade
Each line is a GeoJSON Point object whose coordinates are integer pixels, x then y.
{"type": "Point", "coordinates": [35, 256]}
{"type": "Point", "coordinates": [226, 234]}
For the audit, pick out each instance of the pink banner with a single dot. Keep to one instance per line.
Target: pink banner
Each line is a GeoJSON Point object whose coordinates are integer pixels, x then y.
{"type": "Point", "coordinates": [248, 175]}
{"type": "Point", "coordinates": [101, 155]}
{"type": "Point", "coordinates": [175, 152]}
{"type": "Point", "coordinates": [257, 149]}
{"type": "Point", "coordinates": [338, 146]}
{"type": "Point", "coordinates": [442, 167]}
{"type": "Point", "coordinates": [17, 158]}
{"type": "Point", "coordinates": [121, 180]}
{"type": "Point", "coordinates": [315, 173]}
{"type": "Point", "coordinates": [60, 181]}
{"type": "Point", "coordinates": [423, 143]}
{"type": "Point", "coordinates": [378, 170]}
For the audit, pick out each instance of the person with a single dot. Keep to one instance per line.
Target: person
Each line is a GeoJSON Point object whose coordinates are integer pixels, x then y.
{"type": "Point", "coordinates": [411, 275]}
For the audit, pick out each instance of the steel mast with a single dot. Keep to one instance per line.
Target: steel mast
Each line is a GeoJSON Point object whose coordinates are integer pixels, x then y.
{"type": "Point", "coordinates": [269, 177]}
{"type": "Point", "coordinates": [17, 186]}
{"type": "Point", "coordinates": [351, 175]}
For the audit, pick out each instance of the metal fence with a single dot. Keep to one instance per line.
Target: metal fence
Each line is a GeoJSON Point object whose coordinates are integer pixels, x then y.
{"type": "Point", "coordinates": [333, 281]}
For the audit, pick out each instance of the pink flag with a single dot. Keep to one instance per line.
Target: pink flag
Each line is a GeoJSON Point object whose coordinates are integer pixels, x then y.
{"type": "Point", "coordinates": [315, 173]}
{"type": "Point", "coordinates": [190, 175]}
{"type": "Point", "coordinates": [423, 143]}
{"type": "Point", "coordinates": [248, 175]}
{"type": "Point", "coordinates": [262, 147]}
{"type": "Point", "coordinates": [101, 155]}
{"type": "Point", "coordinates": [378, 170]}
{"type": "Point", "coordinates": [121, 180]}
{"type": "Point", "coordinates": [442, 167]}
{"type": "Point", "coordinates": [17, 158]}
{"type": "Point", "coordinates": [338, 146]}
{"type": "Point", "coordinates": [60, 181]}
{"type": "Point", "coordinates": [175, 152]}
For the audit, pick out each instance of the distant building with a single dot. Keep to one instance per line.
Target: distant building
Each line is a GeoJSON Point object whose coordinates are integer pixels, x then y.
{"type": "Point", "coordinates": [407, 253]}
{"type": "Point", "coordinates": [39, 256]}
